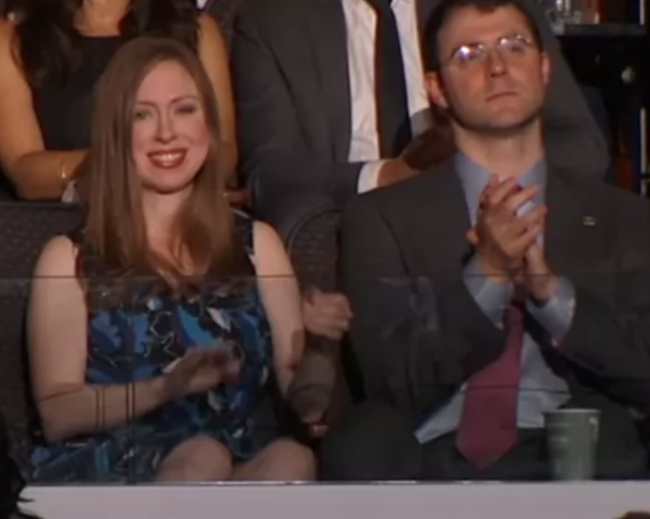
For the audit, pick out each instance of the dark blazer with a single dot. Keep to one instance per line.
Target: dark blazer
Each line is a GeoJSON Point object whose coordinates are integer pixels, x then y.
{"type": "Point", "coordinates": [290, 74]}
{"type": "Point", "coordinates": [419, 334]}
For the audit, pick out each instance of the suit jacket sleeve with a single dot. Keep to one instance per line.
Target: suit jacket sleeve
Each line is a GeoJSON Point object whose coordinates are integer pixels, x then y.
{"type": "Point", "coordinates": [609, 339]}
{"type": "Point", "coordinates": [415, 342]}
{"type": "Point", "coordinates": [568, 122]}
{"type": "Point", "coordinates": [611, 348]}
{"type": "Point", "coordinates": [277, 160]}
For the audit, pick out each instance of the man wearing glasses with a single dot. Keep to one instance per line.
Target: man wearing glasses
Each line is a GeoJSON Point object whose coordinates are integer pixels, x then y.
{"type": "Point", "coordinates": [496, 288]}
{"type": "Point", "coordinates": [331, 101]}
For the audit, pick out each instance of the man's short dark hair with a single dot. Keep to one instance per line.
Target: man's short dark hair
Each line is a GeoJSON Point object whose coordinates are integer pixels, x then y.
{"type": "Point", "coordinates": [446, 8]}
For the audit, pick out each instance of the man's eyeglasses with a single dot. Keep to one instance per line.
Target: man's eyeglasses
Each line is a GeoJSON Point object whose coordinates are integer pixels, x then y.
{"type": "Point", "coordinates": [510, 48]}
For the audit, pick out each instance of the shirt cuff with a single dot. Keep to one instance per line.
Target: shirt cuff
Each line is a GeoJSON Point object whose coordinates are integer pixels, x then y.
{"type": "Point", "coordinates": [492, 298]}
{"type": "Point", "coordinates": [369, 176]}
{"type": "Point", "coordinates": [556, 315]}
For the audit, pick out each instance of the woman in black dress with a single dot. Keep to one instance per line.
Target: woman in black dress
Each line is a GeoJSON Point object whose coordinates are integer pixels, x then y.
{"type": "Point", "coordinates": [51, 54]}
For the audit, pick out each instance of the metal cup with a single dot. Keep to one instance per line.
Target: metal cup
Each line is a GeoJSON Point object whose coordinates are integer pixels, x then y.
{"type": "Point", "coordinates": [572, 437]}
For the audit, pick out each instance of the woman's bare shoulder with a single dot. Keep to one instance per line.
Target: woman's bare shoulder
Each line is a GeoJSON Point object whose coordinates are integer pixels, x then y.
{"type": "Point", "coordinates": [210, 32]}
{"type": "Point", "coordinates": [271, 257]}
{"type": "Point", "coordinates": [7, 32]}
{"type": "Point", "coordinates": [57, 258]}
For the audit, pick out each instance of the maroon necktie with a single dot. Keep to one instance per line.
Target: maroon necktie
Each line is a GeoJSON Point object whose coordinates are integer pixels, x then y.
{"type": "Point", "coordinates": [488, 426]}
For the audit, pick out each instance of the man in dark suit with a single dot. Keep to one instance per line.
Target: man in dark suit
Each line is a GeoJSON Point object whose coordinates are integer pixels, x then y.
{"type": "Point", "coordinates": [496, 288]}
{"type": "Point", "coordinates": [309, 122]}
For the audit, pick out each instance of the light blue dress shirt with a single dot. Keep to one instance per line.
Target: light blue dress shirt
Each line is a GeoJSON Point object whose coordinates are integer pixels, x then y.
{"type": "Point", "coordinates": [540, 389]}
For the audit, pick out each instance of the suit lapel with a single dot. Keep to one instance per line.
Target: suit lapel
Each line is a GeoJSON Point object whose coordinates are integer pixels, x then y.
{"type": "Point", "coordinates": [438, 221]}
{"type": "Point", "coordinates": [327, 31]}
{"type": "Point", "coordinates": [576, 236]}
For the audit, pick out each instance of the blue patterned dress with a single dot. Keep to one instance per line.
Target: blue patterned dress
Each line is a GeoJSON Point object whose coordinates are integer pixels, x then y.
{"type": "Point", "coordinates": [136, 340]}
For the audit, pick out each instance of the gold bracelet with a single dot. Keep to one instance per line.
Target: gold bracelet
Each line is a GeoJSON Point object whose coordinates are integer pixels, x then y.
{"type": "Point", "coordinates": [64, 175]}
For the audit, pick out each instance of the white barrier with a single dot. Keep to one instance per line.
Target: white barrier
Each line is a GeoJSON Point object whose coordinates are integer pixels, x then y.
{"type": "Point", "coordinates": [592, 500]}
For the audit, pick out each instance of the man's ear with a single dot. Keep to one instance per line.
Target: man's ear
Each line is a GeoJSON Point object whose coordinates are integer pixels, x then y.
{"type": "Point", "coordinates": [433, 84]}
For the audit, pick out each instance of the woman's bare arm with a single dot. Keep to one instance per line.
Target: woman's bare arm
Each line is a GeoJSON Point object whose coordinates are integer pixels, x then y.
{"type": "Point", "coordinates": [281, 299]}
{"type": "Point", "coordinates": [57, 335]}
{"type": "Point", "coordinates": [35, 172]}
{"type": "Point", "coordinates": [213, 53]}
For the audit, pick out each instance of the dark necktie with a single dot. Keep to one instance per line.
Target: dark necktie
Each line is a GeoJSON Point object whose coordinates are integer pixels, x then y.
{"type": "Point", "coordinates": [390, 84]}
{"type": "Point", "coordinates": [488, 426]}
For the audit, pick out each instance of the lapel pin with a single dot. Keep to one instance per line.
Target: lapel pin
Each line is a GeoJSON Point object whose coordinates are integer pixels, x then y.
{"type": "Point", "coordinates": [589, 221]}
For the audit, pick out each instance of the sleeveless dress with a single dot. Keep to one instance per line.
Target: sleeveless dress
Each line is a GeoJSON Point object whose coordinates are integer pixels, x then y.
{"type": "Point", "coordinates": [138, 339]}
{"type": "Point", "coordinates": [64, 109]}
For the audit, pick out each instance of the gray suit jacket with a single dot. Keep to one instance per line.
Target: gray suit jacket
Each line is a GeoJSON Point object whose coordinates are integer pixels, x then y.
{"type": "Point", "coordinates": [290, 73]}
{"type": "Point", "coordinates": [418, 333]}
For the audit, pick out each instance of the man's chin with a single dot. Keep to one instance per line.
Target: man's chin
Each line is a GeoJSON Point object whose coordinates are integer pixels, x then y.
{"type": "Point", "coordinates": [503, 125]}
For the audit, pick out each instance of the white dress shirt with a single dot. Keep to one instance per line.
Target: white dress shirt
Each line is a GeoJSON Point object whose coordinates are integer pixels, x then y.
{"type": "Point", "coordinates": [361, 22]}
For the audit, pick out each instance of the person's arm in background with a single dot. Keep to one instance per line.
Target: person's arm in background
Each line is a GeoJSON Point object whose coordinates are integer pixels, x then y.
{"type": "Point", "coordinates": [35, 172]}
{"type": "Point", "coordinates": [568, 122]}
{"type": "Point", "coordinates": [214, 56]}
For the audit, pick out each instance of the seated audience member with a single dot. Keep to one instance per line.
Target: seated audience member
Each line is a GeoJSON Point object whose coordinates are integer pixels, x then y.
{"type": "Point", "coordinates": [51, 57]}
{"type": "Point", "coordinates": [311, 127]}
{"type": "Point", "coordinates": [164, 377]}
{"type": "Point", "coordinates": [11, 482]}
{"type": "Point", "coordinates": [528, 279]}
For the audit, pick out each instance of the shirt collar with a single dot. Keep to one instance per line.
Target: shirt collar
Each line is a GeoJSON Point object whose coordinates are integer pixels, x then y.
{"type": "Point", "coordinates": [474, 178]}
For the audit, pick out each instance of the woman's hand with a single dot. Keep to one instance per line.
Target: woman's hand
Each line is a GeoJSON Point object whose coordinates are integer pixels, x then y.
{"type": "Point", "coordinates": [326, 314]}
{"type": "Point", "coordinates": [199, 371]}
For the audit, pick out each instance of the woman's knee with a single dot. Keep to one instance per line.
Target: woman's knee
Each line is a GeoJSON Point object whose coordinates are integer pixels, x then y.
{"type": "Point", "coordinates": [198, 459]}
{"type": "Point", "coordinates": [292, 460]}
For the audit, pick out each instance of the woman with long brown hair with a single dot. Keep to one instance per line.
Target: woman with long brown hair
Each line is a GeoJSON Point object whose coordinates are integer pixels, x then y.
{"type": "Point", "coordinates": [52, 53]}
{"type": "Point", "coordinates": [154, 349]}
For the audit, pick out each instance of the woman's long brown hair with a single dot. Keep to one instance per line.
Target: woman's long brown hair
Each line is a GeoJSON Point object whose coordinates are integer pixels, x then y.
{"type": "Point", "coordinates": [115, 232]}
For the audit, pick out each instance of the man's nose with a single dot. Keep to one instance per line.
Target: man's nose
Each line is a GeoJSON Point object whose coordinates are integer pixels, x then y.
{"type": "Point", "coordinates": [496, 62]}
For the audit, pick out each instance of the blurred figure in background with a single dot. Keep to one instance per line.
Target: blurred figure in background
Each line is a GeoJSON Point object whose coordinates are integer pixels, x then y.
{"type": "Point", "coordinates": [51, 56]}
